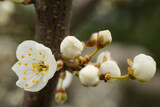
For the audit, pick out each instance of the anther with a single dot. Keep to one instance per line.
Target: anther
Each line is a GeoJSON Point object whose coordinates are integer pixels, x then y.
{"type": "Point", "coordinates": [26, 85]}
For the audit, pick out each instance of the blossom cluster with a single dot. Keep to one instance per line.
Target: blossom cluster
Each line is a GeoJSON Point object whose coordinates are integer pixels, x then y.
{"type": "Point", "coordinates": [36, 64]}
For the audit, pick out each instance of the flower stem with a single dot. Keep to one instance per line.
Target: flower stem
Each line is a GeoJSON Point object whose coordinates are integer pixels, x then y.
{"type": "Point", "coordinates": [61, 85]}
{"type": "Point", "coordinates": [120, 77]}
{"type": "Point", "coordinates": [97, 49]}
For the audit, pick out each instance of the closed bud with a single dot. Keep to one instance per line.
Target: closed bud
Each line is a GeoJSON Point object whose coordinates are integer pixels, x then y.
{"type": "Point", "coordinates": [110, 67]}
{"type": "Point", "coordinates": [89, 75]}
{"type": "Point", "coordinates": [71, 47]}
{"type": "Point", "coordinates": [104, 56]}
{"type": "Point", "coordinates": [60, 96]}
{"type": "Point", "coordinates": [144, 67]}
{"type": "Point", "coordinates": [93, 40]}
{"type": "Point", "coordinates": [104, 38]}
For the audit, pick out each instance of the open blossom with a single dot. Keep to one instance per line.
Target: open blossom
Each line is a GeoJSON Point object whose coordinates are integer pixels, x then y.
{"type": "Point", "coordinates": [93, 40]}
{"type": "Point", "coordinates": [66, 82]}
{"type": "Point", "coordinates": [104, 38]}
{"type": "Point", "coordinates": [105, 55]}
{"type": "Point", "coordinates": [71, 47]}
{"type": "Point", "coordinates": [110, 67]}
{"type": "Point", "coordinates": [36, 65]}
{"type": "Point", "coordinates": [144, 67]}
{"type": "Point", "coordinates": [89, 75]}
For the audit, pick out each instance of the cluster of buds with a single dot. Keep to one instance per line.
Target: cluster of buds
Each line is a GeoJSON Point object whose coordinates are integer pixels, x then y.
{"type": "Point", "coordinates": [37, 65]}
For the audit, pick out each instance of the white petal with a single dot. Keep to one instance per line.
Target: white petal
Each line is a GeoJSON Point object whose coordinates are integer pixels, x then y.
{"type": "Point", "coordinates": [100, 57]}
{"type": "Point", "coordinates": [52, 68]}
{"type": "Point", "coordinates": [106, 35]}
{"type": "Point", "coordinates": [37, 86]}
{"type": "Point", "coordinates": [71, 46]}
{"type": "Point", "coordinates": [144, 67]}
{"type": "Point", "coordinates": [89, 75]}
{"type": "Point", "coordinates": [20, 69]}
{"type": "Point", "coordinates": [42, 52]}
{"type": "Point", "coordinates": [27, 51]}
{"type": "Point", "coordinates": [111, 67]}
{"type": "Point", "coordinates": [67, 81]}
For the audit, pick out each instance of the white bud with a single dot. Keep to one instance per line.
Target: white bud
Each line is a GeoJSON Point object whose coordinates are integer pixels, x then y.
{"type": "Point", "coordinates": [102, 55]}
{"type": "Point", "coordinates": [89, 75]}
{"type": "Point", "coordinates": [106, 34]}
{"type": "Point", "coordinates": [104, 38]}
{"type": "Point", "coordinates": [111, 67]}
{"type": "Point", "coordinates": [94, 36]}
{"type": "Point", "coordinates": [66, 82]}
{"type": "Point", "coordinates": [144, 67]}
{"type": "Point", "coordinates": [71, 47]}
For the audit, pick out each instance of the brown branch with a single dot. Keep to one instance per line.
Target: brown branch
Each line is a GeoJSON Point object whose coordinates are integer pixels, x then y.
{"type": "Point", "coordinates": [71, 66]}
{"type": "Point", "coordinates": [53, 19]}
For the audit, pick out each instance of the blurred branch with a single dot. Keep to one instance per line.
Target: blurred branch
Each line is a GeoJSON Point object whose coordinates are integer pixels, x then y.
{"type": "Point", "coordinates": [82, 13]}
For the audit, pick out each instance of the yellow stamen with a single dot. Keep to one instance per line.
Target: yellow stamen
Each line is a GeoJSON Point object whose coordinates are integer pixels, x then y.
{"type": "Point", "coordinates": [19, 63]}
{"type": "Point", "coordinates": [44, 69]}
{"type": "Point", "coordinates": [38, 64]}
{"type": "Point", "coordinates": [30, 49]}
{"type": "Point", "coordinates": [24, 78]}
{"type": "Point", "coordinates": [33, 70]}
{"type": "Point", "coordinates": [24, 72]}
{"type": "Point", "coordinates": [34, 59]}
{"type": "Point", "coordinates": [29, 54]}
{"type": "Point", "coordinates": [25, 64]}
{"type": "Point", "coordinates": [37, 72]}
{"type": "Point", "coordinates": [33, 81]}
{"type": "Point", "coordinates": [22, 56]}
{"type": "Point", "coordinates": [26, 85]}
{"type": "Point", "coordinates": [42, 73]}
{"type": "Point", "coordinates": [44, 55]}
{"type": "Point", "coordinates": [47, 65]}
{"type": "Point", "coordinates": [40, 53]}
{"type": "Point", "coordinates": [36, 81]}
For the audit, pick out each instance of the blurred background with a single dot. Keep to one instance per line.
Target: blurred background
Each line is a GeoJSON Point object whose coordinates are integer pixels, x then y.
{"type": "Point", "coordinates": [135, 28]}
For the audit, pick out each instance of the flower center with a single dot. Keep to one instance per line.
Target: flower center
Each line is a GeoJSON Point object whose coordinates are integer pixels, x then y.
{"type": "Point", "coordinates": [40, 66]}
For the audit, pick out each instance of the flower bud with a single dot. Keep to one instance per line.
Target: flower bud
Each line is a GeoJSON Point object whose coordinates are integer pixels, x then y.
{"type": "Point", "coordinates": [93, 40]}
{"type": "Point", "coordinates": [104, 38]}
{"type": "Point", "coordinates": [89, 75]}
{"type": "Point", "coordinates": [110, 67]}
{"type": "Point", "coordinates": [66, 82]}
{"type": "Point", "coordinates": [144, 67]}
{"type": "Point", "coordinates": [104, 56]}
{"type": "Point", "coordinates": [60, 96]}
{"type": "Point", "coordinates": [71, 47]}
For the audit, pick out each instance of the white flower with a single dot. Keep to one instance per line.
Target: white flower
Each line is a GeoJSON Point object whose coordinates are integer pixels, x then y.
{"type": "Point", "coordinates": [144, 67]}
{"type": "Point", "coordinates": [89, 75]}
{"type": "Point", "coordinates": [104, 38]}
{"type": "Point", "coordinates": [71, 47]}
{"type": "Point", "coordinates": [66, 82]}
{"type": "Point", "coordinates": [7, 8]}
{"type": "Point", "coordinates": [111, 67]}
{"type": "Point", "coordinates": [102, 55]}
{"type": "Point", "coordinates": [35, 67]}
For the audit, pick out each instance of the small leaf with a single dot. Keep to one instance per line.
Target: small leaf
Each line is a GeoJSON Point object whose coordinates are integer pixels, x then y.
{"type": "Point", "coordinates": [130, 70]}
{"type": "Point", "coordinates": [129, 61]}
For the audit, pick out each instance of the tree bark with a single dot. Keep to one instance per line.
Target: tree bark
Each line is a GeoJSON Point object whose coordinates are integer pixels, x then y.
{"type": "Point", "coordinates": [53, 21]}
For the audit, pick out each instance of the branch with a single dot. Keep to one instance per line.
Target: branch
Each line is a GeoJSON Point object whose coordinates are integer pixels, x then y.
{"type": "Point", "coordinates": [53, 20]}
